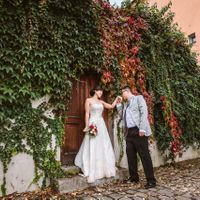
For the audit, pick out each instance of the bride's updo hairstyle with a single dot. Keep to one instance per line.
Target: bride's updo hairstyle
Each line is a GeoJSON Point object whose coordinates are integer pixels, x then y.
{"type": "Point", "coordinates": [96, 88]}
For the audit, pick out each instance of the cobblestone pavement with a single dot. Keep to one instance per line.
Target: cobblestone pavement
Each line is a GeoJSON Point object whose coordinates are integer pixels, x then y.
{"type": "Point", "coordinates": [181, 182]}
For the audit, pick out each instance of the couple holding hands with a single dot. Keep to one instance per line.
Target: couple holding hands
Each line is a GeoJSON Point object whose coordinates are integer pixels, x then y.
{"type": "Point", "coordinates": [96, 156]}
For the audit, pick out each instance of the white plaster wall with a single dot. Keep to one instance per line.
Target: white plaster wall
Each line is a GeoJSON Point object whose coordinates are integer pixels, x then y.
{"type": "Point", "coordinates": [20, 174]}
{"type": "Point", "coordinates": [190, 153]}
{"type": "Point", "coordinates": [117, 146]}
{"type": "Point", "coordinates": [156, 156]}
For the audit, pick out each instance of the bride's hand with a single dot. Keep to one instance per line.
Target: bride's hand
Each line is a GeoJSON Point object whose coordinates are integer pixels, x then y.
{"type": "Point", "coordinates": [119, 99]}
{"type": "Point", "coordinates": [86, 129]}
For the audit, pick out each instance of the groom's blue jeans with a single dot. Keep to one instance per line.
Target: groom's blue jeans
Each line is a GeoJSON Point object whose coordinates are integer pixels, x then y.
{"type": "Point", "coordinates": [137, 144]}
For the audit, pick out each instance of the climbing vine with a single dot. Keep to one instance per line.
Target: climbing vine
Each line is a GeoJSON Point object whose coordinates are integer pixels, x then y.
{"type": "Point", "coordinates": [173, 79]}
{"type": "Point", "coordinates": [155, 60]}
{"type": "Point", "coordinates": [44, 46]}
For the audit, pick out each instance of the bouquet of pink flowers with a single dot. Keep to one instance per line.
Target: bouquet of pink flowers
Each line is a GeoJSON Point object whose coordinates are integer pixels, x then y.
{"type": "Point", "coordinates": [92, 130]}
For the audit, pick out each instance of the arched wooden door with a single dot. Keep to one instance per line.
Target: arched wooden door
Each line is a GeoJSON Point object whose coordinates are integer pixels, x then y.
{"type": "Point", "coordinates": [75, 121]}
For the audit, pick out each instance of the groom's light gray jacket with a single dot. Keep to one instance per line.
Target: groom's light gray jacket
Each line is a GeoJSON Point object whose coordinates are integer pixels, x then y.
{"type": "Point", "coordinates": [139, 114]}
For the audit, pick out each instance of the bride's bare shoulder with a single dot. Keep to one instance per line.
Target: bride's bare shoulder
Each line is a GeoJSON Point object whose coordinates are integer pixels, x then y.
{"type": "Point", "coordinates": [88, 100]}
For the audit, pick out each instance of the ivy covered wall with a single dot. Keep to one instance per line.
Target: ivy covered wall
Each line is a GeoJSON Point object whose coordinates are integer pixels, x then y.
{"type": "Point", "coordinates": [173, 79]}
{"type": "Point", "coordinates": [154, 58]}
{"type": "Point", "coordinates": [44, 45]}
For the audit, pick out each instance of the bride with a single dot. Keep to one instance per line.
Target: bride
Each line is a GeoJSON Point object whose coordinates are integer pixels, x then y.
{"type": "Point", "coordinates": [96, 156]}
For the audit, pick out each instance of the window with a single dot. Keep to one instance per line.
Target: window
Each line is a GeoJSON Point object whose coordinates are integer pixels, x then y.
{"type": "Point", "coordinates": [192, 38]}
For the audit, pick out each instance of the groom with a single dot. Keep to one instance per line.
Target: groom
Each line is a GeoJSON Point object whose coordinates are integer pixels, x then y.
{"type": "Point", "coordinates": [137, 130]}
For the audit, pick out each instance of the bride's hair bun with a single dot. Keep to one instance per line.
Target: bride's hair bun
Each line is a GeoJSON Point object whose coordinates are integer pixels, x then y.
{"type": "Point", "coordinates": [96, 88]}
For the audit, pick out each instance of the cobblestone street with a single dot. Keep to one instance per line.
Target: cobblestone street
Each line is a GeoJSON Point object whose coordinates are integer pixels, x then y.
{"type": "Point", "coordinates": [181, 182]}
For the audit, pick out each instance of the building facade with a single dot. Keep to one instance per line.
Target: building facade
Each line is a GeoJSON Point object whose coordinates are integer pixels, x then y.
{"type": "Point", "coordinates": [187, 15]}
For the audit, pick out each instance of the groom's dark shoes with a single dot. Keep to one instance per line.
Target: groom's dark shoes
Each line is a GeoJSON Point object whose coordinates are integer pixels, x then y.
{"type": "Point", "coordinates": [132, 180]}
{"type": "Point", "coordinates": [150, 185]}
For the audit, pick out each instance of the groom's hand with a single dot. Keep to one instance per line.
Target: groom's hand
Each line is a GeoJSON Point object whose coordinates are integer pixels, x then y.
{"type": "Point", "coordinates": [141, 133]}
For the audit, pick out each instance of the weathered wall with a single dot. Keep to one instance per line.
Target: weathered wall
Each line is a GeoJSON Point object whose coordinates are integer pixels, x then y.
{"type": "Point", "coordinates": [20, 174]}
{"type": "Point", "coordinates": [21, 170]}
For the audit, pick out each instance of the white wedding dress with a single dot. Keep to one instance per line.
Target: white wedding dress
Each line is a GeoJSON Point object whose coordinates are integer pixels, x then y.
{"type": "Point", "coordinates": [96, 156]}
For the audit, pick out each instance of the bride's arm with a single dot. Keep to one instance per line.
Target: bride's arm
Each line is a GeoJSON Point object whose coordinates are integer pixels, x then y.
{"type": "Point", "coordinates": [87, 114]}
{"type": "Point", "coordinates": [110, 106]}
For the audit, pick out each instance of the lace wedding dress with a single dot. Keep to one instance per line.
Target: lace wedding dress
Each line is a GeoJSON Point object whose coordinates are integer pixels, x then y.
{"type": "Point", "coordinates": [96, 156]}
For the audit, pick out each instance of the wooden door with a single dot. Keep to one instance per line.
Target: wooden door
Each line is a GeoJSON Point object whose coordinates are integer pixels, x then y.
{"type": "Point", "coordinates": [75, 121]}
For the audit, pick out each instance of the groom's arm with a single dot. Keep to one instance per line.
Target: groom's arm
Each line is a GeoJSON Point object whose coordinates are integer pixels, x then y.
{"type": "Point", "coordinates": [143, 113]}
